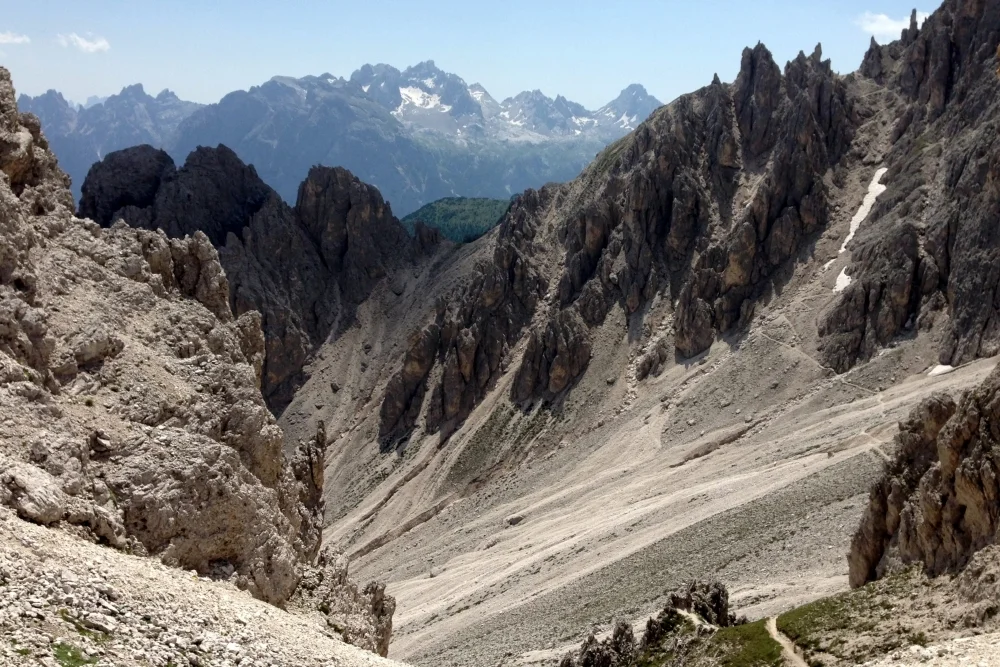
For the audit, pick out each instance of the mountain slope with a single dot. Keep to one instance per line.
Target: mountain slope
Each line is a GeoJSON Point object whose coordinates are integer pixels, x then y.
{"type": "Point", "coordinates": [627, 391]}
{"type": "Point", "coordinates": [131, 419]}
{"type": "Point", "coordinates": [341, 238]}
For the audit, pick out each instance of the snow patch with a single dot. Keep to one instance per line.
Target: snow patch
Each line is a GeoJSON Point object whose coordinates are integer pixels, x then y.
{"type": "Point", "coordinates": [477, 95]}
{"type": "Point", "coordinates": [420, 99]}
{"type": "Point", "coordinates": [582, 121]}
{"type": "Point", "coordinates": [843, 280]}
{"type": "Point", "coordinates": [430, 83]}
{"type": "Point", "coordinates": [940, 369]}
{"type": "Point", "coordinates": [626, 122]}
{"type": "Point", "coordinates": [366, 87]}
{"type": "Point", "coordinates": [875, 188]}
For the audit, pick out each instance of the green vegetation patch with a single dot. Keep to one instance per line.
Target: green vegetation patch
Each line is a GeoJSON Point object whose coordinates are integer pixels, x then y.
{"type": "Point", "coordinates": [854, 625]}
{"type": "Point", "coordinates": [459, 219]}
{"type": "Point", "coordinates": [747, 645]}
{"type": "Point", "coordinates": [68, 655]}
{"type": "Point", "coordinates": [83, 630]}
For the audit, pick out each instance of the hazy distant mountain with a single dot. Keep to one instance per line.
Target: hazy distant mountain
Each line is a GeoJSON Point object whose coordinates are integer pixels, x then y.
{"type": "Point", "coordinates": [94, 100]}
{"type": "Point", "coordinates": [81, 136]}
{"type": "Point", "coordinates": [629, 109]}
{"type": "Point", "coordinates": [419, 134]}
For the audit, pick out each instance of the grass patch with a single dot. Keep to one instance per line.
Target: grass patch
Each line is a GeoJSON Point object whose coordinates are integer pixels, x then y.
{"type": "Point", "coordinates": [853, 625]}
{"type": "Point", "coordinates": [68, 655]}
{"type": "Point", "coordinates": [805, 625]}
{"type": "Point", "coordinates": [81, 629]}
{"type": "Point", "coordinates": [747, 645]}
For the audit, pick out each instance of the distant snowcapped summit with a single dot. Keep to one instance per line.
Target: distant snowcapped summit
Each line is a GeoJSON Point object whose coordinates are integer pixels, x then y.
{"type": "Point", "coordinates": [632, 106]}
{"type": "Point", "coordinates": [426, 98]}
{"type": "Point", "coordinates": [419, 134]}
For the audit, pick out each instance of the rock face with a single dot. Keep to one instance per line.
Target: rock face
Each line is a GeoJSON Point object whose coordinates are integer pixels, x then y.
{"type": "Point", "coordinates": [363, 617]}
{"type": "Point", "coordinates": [711, 200]}
{"type": "Point", "coordinates": [471, 333]}
{"type": "Point", "coordinates": [214, 192]}
{"type": "Point", "coordinates": [930, 245]}
{"type": "Point", "coordinates": [130, 407]}
{"type": "Point", "coordinates": [303, 269]}
{"type": "Point", "coordinates": [652, 215]}
{"type": "Point", "coordinates": [188, 468]}
{"type": "Point", "coordinates": [126, 178]}
{"type": "Point", "coordinates": [937, 502]}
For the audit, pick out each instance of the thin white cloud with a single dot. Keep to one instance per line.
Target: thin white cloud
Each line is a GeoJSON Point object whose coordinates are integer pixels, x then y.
{"type": "Point", "coordinates": [14, 38]}
{"type": "Point", "coordinates": [93, 44]}
{"type": "Point", "coordinates": [886, 29]}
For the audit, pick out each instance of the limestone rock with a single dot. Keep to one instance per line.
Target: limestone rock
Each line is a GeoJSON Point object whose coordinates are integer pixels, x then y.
{"type": "Point", "coordinates": [937, 501]}
{"type": "Point", "coordinates": [708, 599]}
{"type": "Point", "coordinates": [170, 449]}
{"type": "Point", "coordinates": [34, 493]}
{"type": "Point", "coordinates": [124, 178]}
{"type": "Point", "coordinates": [363, 617]}
{"type": "Point", "coordinates": [341, 238]}
{"type": "Point", "coordinates": [708, 602]}
{"type": "Point", "coordinates": [471, 333]}
{"type": "Point", "coordinates": [930, 242]}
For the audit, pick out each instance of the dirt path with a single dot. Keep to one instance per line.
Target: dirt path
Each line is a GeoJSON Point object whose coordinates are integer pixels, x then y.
{"type": "Point", "coordinates": [787, 647]}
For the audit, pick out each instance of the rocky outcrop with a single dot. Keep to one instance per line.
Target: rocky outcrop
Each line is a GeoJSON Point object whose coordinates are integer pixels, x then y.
{"type": "Point", "coordinates": [357, 235]}
{"type": "Point", "coordinates": [341, 239]}
{"type": "Point", "coordinates": [798, 125]}
{"type": "Point", "coordinates": [554, 357]}
{"type": "Point", "coordinates": [131, 409]}
{"type": "Point", "coordinates": [708, 599]}
{"type": "Point", "coordinates": [124, 178]}
{"type": "Point", "coordinates": [707, 602]}
{"type": "Point", "coordinates": [937, 501]}
{"type": "Point", "coordinates": [929, 245]}
{"type": "Point", "coordinates": [363, 617]}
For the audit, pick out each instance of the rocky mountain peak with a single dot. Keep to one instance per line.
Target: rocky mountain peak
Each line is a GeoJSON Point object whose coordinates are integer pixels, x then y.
{"type": "Point", "coordinates": [134, 91]}
{"type": "Point", "coordinates": [424, 70]}
{"type": "Point", "coordinates": [632, 106]}
{"type": "Point", "coordinates": [167, 95]}
{"type": "Point", "coordinates": [341, 237]}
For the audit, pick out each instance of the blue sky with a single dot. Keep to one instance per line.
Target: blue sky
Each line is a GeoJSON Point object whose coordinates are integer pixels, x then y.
{"type": "Point", "coordinates": [587, 50]}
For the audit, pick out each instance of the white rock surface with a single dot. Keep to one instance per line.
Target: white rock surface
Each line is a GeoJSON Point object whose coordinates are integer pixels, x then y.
{"type": "Point", "coordinates": [60, 594]}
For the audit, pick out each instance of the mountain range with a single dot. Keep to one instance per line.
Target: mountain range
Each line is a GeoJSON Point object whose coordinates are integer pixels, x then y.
{"type": "Point", "coordinates": [734, 388]}
{"type": "Point", "coordinates": [419, 134]}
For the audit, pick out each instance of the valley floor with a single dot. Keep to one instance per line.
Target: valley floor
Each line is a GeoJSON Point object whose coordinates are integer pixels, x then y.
{"type": "Point", "coordinates": [699, 476]}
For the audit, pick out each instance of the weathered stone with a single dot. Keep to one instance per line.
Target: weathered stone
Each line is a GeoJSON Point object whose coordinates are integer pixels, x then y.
{"type": "Point", "coordinates": [937, 501]}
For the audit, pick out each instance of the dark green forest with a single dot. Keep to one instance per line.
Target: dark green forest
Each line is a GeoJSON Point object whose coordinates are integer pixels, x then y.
{"type": "Point", "coordinates": [460, 219]}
